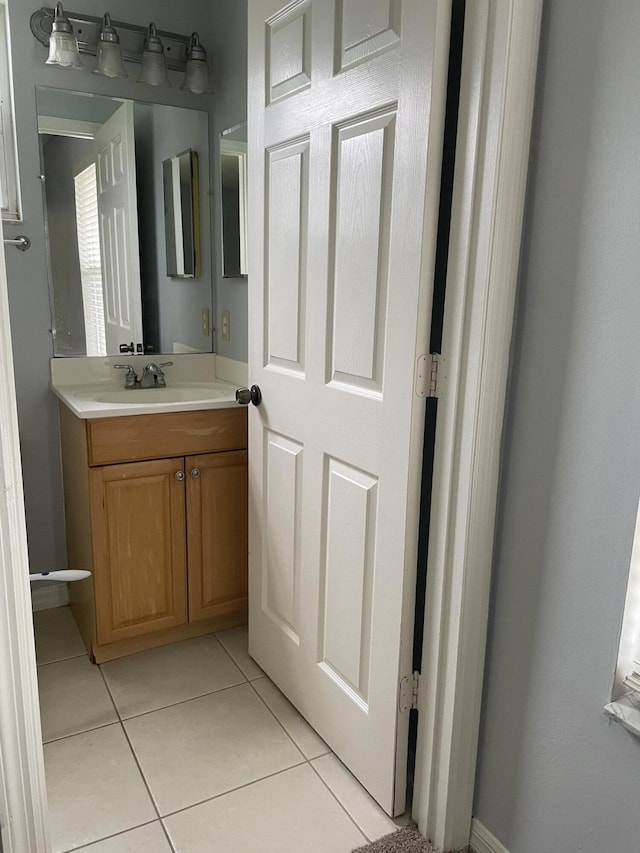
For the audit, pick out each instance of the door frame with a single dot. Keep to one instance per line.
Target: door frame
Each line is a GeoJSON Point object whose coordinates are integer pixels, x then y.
{"type": "Point", "coordinates": [496, 108]}
{"type": "Point", "coordinates": [22, 785]}
{"type": "Point", "coordinates": [500, 56]}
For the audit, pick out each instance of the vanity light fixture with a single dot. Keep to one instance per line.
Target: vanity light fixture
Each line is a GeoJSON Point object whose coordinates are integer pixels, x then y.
{"type": "Point", "coordinates": [63, 47]}
{"type": "Point", "coordinates": [110, 62]}
{"type": "Point", "coordinates": [154, 67]}
{"type": "Point", "coordinates": [196, 78]}
{"type": "Point", "coordinates": [98, 37]}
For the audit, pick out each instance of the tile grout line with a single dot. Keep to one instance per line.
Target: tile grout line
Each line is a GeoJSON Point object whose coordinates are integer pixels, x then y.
{"type": "Point", "coordinates": [108, 837]}
{"type": "Point", "coordinates": [91, 728]}
{"type": "Point", "coordinates": [61, 660]}
{"type": "Point", "coordinates": [233, 790]}
{"type": "Point", "coordinates": [235, 663]}
{"type": "Point", "coordinates": [138, 765]}
{"type": "Point", "coordinates": [337, 799]}
{"type": "Point", "coordinates": [179, 702]}
{"type": "Point", "coordinates": [82, 732]}
{"type": "Point", "coordinates": [221, 794]}
{"type": "Point", "coordinates": [275, 717]}
{"type": "Point", "coordinates": [246, 681]}
{"type": "Point", "coordinates": [161, 818]}
{"type": "Point", "coordinates": [121, 719]}
{"type": "Point", "coordinates": [309, 760]}
{"type": "Point", "coordinates": [115, 722]}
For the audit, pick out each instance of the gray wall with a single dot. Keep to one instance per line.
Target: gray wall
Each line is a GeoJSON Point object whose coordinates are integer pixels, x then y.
{"type": "Point", "coordinates": [63, 158]}
{"type": "Point", "coordinates": [230, 65]}
{"type": "Point", "coordinates": [27, 278]}
{"type": "Point", "coordinates": [554, 774]}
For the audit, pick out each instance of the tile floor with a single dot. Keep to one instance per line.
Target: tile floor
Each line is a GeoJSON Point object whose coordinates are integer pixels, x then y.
{"type": "Point", "coordinates": [187, 748]}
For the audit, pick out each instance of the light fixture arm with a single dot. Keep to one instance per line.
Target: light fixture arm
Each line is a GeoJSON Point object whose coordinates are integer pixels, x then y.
{"type": "Point", "coordinates": [87, 31]}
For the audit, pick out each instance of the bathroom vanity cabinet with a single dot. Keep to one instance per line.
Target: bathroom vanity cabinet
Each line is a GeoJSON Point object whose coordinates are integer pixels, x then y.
{"type": "Point", "coordinates": [156, 508]}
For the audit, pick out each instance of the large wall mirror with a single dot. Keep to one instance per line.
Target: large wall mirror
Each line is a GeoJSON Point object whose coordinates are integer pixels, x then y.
{"type": "Point", "coordinates": [102, 161]}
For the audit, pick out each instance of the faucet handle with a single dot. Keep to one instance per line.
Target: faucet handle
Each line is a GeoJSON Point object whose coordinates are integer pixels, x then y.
{"type": "Point", "coordinates": [130, 377]}
{"type": "Point", "coordinates": [161, 382]}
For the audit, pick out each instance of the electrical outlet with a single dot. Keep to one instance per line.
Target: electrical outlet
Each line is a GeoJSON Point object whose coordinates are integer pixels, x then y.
{"type": "Point", "coordinates": [226, 326]}
{"type": "Point", "coordinates": [205, 322]}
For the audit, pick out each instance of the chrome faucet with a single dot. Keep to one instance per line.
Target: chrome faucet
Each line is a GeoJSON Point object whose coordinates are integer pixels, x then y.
{"type": "Point", "coordinates": [153, 375]}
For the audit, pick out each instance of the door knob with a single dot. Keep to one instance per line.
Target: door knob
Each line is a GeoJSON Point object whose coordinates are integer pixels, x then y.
{"type": "Point", "coordinates": [195, 473]}
{"type": "Point", "coordinates": [244, 396]}
{"type": "Point", "coordinates": [179, 475]}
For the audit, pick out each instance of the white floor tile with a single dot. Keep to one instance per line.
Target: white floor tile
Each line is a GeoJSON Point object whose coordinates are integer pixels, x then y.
{"type": "Point", "coordinates": [159, 677]}
{"type": "Point", "coordinates": [73, 698]}
{"type": "Point", "coordinates": [310, 743]}
{"type": "Point", "coordinates": [292, 811]}
{"type": "Point", "coordinates": [94, 788]}
{"type": "Point", "coordinates": [198, 749]}
{"type": "Point", "coordinates": [144, 839]}
{"type": "Point", "coordinates": [360, 805]}
{"type": "Point", "coordinates": [57, 635]}
{"type": "Point", "coordinates": [235, 642]}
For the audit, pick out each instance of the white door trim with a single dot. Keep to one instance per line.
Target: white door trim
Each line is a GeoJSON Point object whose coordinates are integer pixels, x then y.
{"type": "Point", "coordinates": [22, 785]}
{"type": "Point", "coordinates": [496, 108]}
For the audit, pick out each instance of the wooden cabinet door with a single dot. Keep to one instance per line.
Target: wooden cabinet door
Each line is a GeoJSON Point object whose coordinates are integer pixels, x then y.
{"type": "Point", "coordinates": [139, 549]}
{"type": "Point", "coordinates": [217, 533]}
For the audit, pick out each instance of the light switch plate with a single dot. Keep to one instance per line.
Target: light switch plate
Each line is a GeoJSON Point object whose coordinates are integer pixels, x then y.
{"type": "Point", "coordinates": [226, 326]}
{"type": "Point", "coordinates": [205, 322]}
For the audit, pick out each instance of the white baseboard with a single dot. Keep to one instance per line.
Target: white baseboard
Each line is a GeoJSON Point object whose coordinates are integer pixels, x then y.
{"type": "Point", "coordinates": [482, 841]}
{"type": "Point", "coordinates": [45, 596]}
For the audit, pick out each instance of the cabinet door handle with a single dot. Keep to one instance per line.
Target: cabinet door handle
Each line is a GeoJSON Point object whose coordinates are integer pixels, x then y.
{"type": "Point", "coordinates": [179, 475]}
{"type": "Point", "coordinates": [195, 473]}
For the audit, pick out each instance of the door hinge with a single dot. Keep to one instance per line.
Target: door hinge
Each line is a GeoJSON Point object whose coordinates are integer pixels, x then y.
{"type": "Point", "coordinates": [409, 687]}
{"type": "Point", "coordinates": [427, 375]}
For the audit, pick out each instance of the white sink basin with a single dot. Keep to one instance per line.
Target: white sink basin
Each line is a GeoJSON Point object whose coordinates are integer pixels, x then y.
{"type": "Point", "coordinates": [145, 396]}
{"type": "Point", "coordinates": [91, 388]}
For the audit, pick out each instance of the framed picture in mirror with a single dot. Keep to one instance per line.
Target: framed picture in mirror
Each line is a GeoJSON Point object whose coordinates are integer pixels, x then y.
{"type": "Point", "coordinates": [181, 220]}
{"type": "Point", "coordinates": [233, 194]}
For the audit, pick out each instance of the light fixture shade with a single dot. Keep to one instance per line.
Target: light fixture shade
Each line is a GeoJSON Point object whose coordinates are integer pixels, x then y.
{"type": "Point", "coordinates": [196, 77]}
{"type": "Point", "coordinates": [63, 45]}
{"type": "Point", "coordinates": [110, 62]}
{"type": "Point", "coordinates": [154, 68]}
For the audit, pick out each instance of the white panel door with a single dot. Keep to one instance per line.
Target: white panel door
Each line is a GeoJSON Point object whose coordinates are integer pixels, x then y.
{"type": "Point", "coordinates": [345, 128]}
{"type": "Point", "coordinates": [114, 151]}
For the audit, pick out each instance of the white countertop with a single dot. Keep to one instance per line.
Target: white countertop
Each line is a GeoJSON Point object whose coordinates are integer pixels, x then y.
{"type": "Point", "coordinates": [92, 388]}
